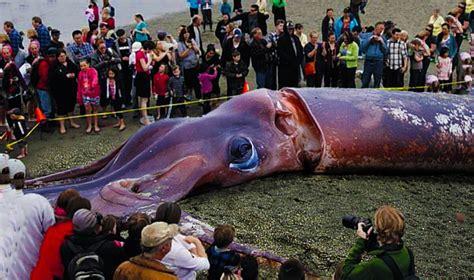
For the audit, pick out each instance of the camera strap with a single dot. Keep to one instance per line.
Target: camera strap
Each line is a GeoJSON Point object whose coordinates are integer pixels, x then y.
{"type": "Point", "coordinates": [397, 274]}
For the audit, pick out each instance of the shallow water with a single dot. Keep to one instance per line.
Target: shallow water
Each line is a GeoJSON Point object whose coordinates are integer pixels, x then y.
{"type": "Point", "coordinates": [68, 15]}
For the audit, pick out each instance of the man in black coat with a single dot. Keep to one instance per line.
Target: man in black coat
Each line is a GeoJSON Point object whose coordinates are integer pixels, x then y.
{"type": "Point", "coordinates": [220, 31]}
{"type": "Point", "coordinates": [290, 53]}
{"type": "Point", "coordinates": [252, 19]}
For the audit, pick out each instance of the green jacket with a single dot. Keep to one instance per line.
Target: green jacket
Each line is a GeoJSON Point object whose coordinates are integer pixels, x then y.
{"type": "Point", "coordinates": [279, 3]}
{"type": "Point", "coordinates": [374, 268]}
{"type": "Point", "coordinates": [352, 54]}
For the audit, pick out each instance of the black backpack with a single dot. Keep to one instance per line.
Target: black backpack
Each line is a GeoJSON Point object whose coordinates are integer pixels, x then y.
{"type": "Point", "coordinates": [86, 264]}
{"type": "Point", "coordinates": [397, 274]}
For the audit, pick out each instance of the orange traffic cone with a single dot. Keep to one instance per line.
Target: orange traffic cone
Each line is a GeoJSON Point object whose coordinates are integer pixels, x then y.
{"type": "Point", "coordinates": [40, 117]}
{"type": "Point", "coordinates": [246, 87]}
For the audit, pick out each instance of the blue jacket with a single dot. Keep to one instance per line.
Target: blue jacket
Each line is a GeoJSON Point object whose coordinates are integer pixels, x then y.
{"type": "Point", "coordinates": [451, 45]}
{"type": "Point", "coordinates": [339, 24]}
{"type": "Point", "coordinates": [226, 8]}
{"type": "Point", "coordinates": [193, 4]}
{"type": "Point", "coordinates": [374, 50]}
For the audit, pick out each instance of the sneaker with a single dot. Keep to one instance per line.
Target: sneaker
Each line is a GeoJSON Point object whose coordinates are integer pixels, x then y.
{"type": "Point", "coordinates": [188, 97]}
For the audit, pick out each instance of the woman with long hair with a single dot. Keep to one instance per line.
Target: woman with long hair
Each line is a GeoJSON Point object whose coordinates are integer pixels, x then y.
{"type": "Point", "coordinates": [348, 56]}
{"type": "Point", "coordinates": [142, 78]}
{"type": "Point", "coordinates": [63, 84]}
{"type": "Point", "coordinates": [189, 54]}
{"type": "Point", "coordinates": [331, 61]}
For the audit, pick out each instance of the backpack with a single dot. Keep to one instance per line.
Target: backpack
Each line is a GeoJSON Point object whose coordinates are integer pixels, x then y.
{"type": "Point", "coordinates": [86, 264]}
{"type": "Point", "coordinates": [397, 274]}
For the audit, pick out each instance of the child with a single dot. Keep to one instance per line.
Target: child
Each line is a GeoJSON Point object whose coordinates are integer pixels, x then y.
{"type": "Point", "coordinates": [206, 79]}
{"type": "Point", "coordinates": [90, 14]}
{"type": "Point", "coordinates": [432, 83]}
{"type": "Point", "coordinates": [445, 69]}
{"type": "Point", "coordinates": [226, 8]}
{"type": "Point", "coordinates": [221, 258]}
{"type": "Point", "coordinates": [160, 89]}
{"type": "Point", "coordinates": [416, 68]}
{"type": "Point", "coordinates": [17, 124]}
{"type": "Point", "coordinates": [235, 72]}
{"type": "Point", "coordinates": [114, 95]}
{"type": "Point", "coordinates": [177, 89]}
{"type": "Point", "coordinates": [88, 93]}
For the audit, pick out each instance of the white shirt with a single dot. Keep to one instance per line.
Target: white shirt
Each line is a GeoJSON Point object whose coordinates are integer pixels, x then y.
{"type": "Point", "coordinates": [183, 263]}
{"type": "Point", "coordinates": [39, 216]}
{"type": "Point", "coordinates": [11, 221]}
{"type": "Point", "coordinates": [197, 35]}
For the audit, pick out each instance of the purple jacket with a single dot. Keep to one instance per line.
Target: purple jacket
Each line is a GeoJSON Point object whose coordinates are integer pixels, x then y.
{"type": "Point", "coordinates": [206, 81]}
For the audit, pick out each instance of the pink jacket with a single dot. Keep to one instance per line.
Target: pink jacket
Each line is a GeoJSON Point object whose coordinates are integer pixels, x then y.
{"type": "Point", "coordinates": [87, 84]}
{"type": "Point", "coordinates": [206, 81]}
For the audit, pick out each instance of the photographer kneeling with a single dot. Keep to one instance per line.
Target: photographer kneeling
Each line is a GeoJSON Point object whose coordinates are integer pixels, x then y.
{"type": "Point", "coordinates": [392, 260]}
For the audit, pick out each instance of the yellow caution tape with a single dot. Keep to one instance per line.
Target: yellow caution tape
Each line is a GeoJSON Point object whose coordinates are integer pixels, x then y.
{"type": "Point", "coordinates": [10, 145]}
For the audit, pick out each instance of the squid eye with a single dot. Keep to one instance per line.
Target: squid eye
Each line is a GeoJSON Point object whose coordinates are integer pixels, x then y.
{"type": "Point", "coordinates": [243, 155]}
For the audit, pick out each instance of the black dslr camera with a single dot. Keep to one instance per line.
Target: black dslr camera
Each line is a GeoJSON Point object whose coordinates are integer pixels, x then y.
{"type": "Point", "coordinates": [350, 221]}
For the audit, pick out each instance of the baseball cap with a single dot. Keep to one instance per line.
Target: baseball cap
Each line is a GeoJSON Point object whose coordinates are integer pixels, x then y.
{"type": "Point", "coordinates": [157, 233]}
{"type": "Point", "coordinates": [52, 51]}
{"type": "Point", "coordinates": [464, 55]}
{"type": "Point", "coordinates": [85, 219]}
{"type": "Point", "coordinates": [136, 46]}
{"type": "Point", "coordinates": [237, 33]}
{"type": "Point", "coordinates": [290, 25]}
{"type": "Point", "coordinates": [16, 167]}
{"type": "Point", "coordinates": [4, 164]}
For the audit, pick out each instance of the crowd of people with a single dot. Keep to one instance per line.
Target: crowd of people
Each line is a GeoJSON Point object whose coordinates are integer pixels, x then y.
{"type": "Point", "coordinates": [107, 67]}
{"type": "Point", "coordinates": [71, 241]}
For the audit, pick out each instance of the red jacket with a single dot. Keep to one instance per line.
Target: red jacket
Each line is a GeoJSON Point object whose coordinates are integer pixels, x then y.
{"type": "Point", "coordinates": [43, 71]}
{"type": "Point", "coordinates": [49, 263]}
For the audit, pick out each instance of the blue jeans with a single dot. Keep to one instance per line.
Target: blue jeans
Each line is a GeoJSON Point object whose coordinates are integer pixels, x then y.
{"type": "Point", "coordinates": [45, 102]}
{"type": "Point", "coordinates": [372, 67]}
{"type": "Point", "coordinates": [261, 77]}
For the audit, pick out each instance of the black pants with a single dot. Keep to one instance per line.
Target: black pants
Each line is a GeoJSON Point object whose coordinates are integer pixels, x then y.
{"type": "Point", "coordinates": [206, 107]}
{"type": "Point", "coordinates": [278, 13]}
{"type": "Point", "coordinates": [394, 78]}
{"type": "Point", "coordinates": [162, 101]}
{"type": "Point", "coordinates": [348, 76]}
{"type": "Point", "coordinates": [445, 85]}
{"type": "Point", "coordinates": [330, 76]}
{"type": "Point", "coordinates": [193, 12]}
{"type": "Point", "coordinates": [181, 108]}
{"type": "Point", "coordinates": [271, 81]}
{"type": "Point", "coordinates": [127, 80]}
{"type": "Point", "coordinates": [206, 18]}
{"type": "Point", "coordinates": [117, 104]}
{"type": "Point", "coordinates": [192, 82]}
{"type": "Point", "coordinates": [416, 80]}
{"type": "Point", "coordinates": [311, 80]}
